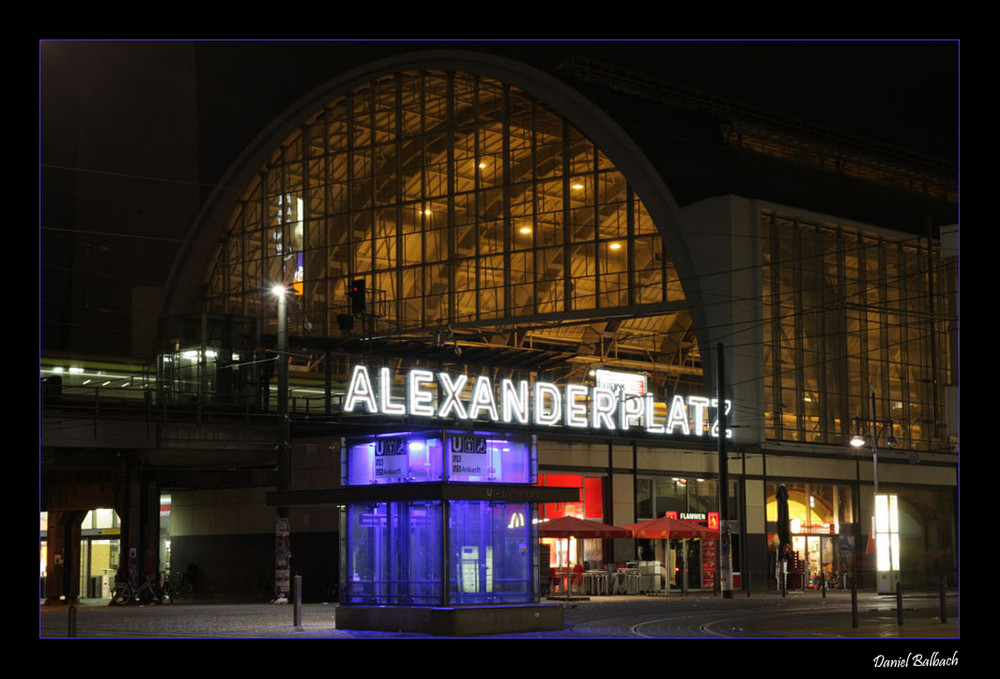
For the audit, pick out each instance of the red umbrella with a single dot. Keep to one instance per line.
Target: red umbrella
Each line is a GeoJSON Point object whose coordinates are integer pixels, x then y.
{"type": "Point", "coordinates": [664, 527]}
{"type": "Point", "coordinates": [570, 526]}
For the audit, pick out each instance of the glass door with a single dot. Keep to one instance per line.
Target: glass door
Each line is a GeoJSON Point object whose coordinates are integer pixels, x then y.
{"type": "Point", "coordinates": [694, 564]}
{"type": "Point", "coordinates": [813, 561]}
{"type": "Point", "coordinates": [828, 558]}
{"type": "Point", "coordinates": [820, 559]}
{"type": "Point", "coordinates": [683, 564]}
{"type": "Point", "coordinates": [675, 564]}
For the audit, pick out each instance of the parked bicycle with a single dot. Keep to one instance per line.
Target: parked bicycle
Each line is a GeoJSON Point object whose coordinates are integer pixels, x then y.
{"type": "Point", "coordinates": [125, 593]}
{"type": "Point", "coordinates": [177, 586]}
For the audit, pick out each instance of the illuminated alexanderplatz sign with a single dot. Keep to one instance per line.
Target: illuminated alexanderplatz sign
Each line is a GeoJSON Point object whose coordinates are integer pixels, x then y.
{"type": "Point", "coordinates": [617, 402]}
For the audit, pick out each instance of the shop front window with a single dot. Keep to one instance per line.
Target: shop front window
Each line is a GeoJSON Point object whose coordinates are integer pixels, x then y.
{"type": "Point", "coordinates": [688, 564]}
{"type": "Point", "coordinates": [671, 495]}
{"type": "Point", "coordinates": [695, 498]}
{"type": "Point", "coordinates": [812, 508]}
{"type": "Point", "coordinates": [589, 507]}
{"type": "Point", "coordinates": [591, 503]}
{"type": "Point", "coordinates": [822, 534]}
{"type": "Point", "coordinates": [928, 536]}
{"type": "Point", "coordinates": [643, 499]}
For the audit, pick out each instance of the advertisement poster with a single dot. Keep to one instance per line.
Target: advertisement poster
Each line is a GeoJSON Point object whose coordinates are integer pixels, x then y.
{"type": "Point", "coordinates": [708, 564]}
{"type": "Point", "coordinates": [282, 583]}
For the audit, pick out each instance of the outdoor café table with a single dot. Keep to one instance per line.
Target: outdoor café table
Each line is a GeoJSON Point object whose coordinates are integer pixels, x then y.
{"type": "Point", "coordinates": [595, 582]}
{"type": "Point", "coordinates": [563, 581]}
{"type": "Point", "coordinates": [633, 580]}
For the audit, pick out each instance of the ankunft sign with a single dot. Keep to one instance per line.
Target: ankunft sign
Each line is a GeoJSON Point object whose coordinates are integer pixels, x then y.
{"type": "Point", "coordinates": [443, 395]}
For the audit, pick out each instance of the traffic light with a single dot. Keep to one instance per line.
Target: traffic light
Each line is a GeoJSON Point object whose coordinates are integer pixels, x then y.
{"type": "Point", "coordinates": [357, 295]}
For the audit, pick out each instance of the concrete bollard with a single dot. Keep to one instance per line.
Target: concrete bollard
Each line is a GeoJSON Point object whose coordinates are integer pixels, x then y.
{"type": "Point", "coordinates": [297, 608]}
{"type": "Point", "coordinates": [899, 603]}
{"type": "Point", "coordinates": [854, 603]}
{"type": "Point", "coordinates": [944, 608]}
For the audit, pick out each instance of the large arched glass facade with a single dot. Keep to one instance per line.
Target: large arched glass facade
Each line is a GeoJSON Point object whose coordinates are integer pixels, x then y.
{"type": "Point", "coordinates": [467, 207]}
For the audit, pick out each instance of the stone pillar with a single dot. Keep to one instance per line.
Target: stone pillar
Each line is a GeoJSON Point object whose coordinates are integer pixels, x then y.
{"type": "Point", "coordinates": [62, 585]}
{"type": "Point", "coordinates": [150, 503]}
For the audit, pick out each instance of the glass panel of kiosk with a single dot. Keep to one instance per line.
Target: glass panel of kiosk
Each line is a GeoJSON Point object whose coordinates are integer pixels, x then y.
{"type": "Point", "coordinates": [449, 456]}
{"type": "Point", "coordinates": [433, 552]}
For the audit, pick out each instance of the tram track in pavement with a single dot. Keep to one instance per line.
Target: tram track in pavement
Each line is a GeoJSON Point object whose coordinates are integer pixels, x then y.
{"type": "Point", "coordinates": [714, 618]}
{"type": "Point", "coordinates": [635, 618]}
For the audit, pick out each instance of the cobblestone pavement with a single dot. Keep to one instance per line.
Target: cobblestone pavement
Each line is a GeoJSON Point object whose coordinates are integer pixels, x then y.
{"type": "Point", "coordinates": [802, 615]}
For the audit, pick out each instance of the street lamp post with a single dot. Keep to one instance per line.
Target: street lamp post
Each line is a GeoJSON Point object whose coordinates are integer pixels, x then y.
{"type": "Point", "coordinates": [283, 482]}
{"type": "Point", "coordinates": [885, 527]}
{"type": "Point", "coordinates": [858, 439]}
{"type": "Point", "coordinates": [280, 292]}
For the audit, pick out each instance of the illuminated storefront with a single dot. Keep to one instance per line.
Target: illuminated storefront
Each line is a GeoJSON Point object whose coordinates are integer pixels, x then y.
{"type": "Point", "coordinates": [590, 506]}
{"type": "Point", "coordinates": [823, 532]}
{"type": "Point", "coordinates": [99, 554]}
{"type": "Point", "coordinates": [690, 564]}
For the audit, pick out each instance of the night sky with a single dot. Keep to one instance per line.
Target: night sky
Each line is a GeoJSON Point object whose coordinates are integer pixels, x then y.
{"type": "Point", "coordinates": [134, 135]}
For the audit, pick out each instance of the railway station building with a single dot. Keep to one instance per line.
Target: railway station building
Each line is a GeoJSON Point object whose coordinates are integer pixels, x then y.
{"type": "Point", "coordinates": [473, 244]}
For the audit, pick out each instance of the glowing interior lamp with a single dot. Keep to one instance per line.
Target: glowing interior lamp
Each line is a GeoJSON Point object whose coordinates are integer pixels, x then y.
{"type": "Point", "coordinates": [278, 289]}
{"type": "Point", "coordinates": [525, 230]}
{"type": "Point", "coordinates": [482, 166]}
{"type": "Point", "coordinates": [577, 186]}
{"type": "Point", "coordinates": [615, 246]}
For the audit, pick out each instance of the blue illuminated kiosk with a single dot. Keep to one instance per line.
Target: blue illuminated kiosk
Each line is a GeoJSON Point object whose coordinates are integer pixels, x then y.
{"type": "Point", "coordinates": [438, 533]}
